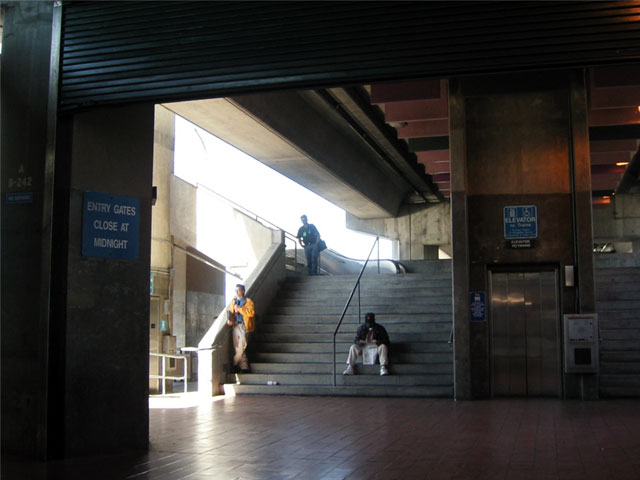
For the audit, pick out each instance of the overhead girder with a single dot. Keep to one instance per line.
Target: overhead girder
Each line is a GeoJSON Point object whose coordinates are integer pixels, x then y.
{"type": "Point", "coordinates": [304, 137]}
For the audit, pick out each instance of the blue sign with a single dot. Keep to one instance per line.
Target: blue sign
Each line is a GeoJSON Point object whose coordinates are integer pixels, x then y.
{"type": "Point", "coordinates": [478, 306]}
{"type": "Point", "coordinates": [110, 226]}
{"type": "Point", "coordinates": [19, 197]}
{"type": "Point", "coordinates": [521, 221]}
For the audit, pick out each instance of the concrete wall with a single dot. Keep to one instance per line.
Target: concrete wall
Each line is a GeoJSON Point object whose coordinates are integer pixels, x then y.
{"type": "Point", "coordinates": [217, 229]}
{"type": "Point", "coordinates": [163, 151]}
{"type": "Point", "coordinates": [415, 229]}
{"type": "Point", "coordinates": [619, 221]}
{"type": "Point", "coordinates": [179, 297]}
{"type": "Point", "coordinates": [205, 299]}
{"type": "Point", "coordinates": [183, 206]}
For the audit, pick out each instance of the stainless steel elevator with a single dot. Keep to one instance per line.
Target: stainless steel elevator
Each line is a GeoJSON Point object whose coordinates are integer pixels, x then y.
{"type": "Point", "coordinates": [525, 333]}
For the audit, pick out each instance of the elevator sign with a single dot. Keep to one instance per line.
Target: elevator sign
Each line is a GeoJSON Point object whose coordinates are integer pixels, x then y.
{"type": "Point", "coordinates": [110, 226]}
{"type": "Point", "coordinates": [521, 222]}
{"type": "Point", "coordinates": [478, 306]}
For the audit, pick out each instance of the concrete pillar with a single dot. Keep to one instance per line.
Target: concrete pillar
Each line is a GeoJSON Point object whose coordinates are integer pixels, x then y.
{"type": "Point", "coordinates": [582, 386]}
{"type": "Point", "coordinates": [101, 304]}
{"type": "Point", "coordinates": [582, 192]}
{"type": "Point", "coordinates": [459, 240]}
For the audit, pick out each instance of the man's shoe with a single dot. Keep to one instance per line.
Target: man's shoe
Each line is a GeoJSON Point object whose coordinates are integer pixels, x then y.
{"type": "Point", "coordinates": [245, 370]}
{"type": "Point", "coordinates": [383, 370]}
{"type": "Point", "coordinates": [349, 371]}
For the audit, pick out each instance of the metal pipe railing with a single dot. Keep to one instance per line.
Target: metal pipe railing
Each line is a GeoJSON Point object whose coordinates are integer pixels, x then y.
{"type": "Point", "coordinates": [164, 376]}
{"type": "Point", "coordinates": [346, 307]}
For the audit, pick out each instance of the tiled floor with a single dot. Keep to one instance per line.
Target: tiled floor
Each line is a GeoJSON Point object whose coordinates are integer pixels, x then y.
{"type": "Point", "coordinates": [265, 437]}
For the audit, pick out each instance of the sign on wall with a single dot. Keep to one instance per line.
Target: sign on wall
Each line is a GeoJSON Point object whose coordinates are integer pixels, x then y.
{"type": "Point", "coordinates": [520, 221]}
{"type": "Point", "coordinates": [110, 226]}
{"type": "Point", "coordinates": [478, 306]}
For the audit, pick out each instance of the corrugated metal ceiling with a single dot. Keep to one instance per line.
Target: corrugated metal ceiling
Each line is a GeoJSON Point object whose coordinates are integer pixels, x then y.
{"type": "Point", "coordinates": [159, 51]}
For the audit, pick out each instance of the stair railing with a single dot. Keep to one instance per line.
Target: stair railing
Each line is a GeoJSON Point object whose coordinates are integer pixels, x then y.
{"type": "Point", "coordinates": [346, 307]}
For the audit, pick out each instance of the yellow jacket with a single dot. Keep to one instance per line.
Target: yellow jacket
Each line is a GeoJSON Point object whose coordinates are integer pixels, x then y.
{"type": "Point", "coordinates": [248, 313]}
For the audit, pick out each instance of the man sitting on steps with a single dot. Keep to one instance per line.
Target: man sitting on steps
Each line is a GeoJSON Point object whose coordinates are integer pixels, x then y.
{"type": "Point", "coordinates": [369, 333]}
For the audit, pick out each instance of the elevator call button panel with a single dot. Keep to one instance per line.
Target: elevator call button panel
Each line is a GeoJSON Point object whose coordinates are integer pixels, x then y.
{"type": "Point", "coordinates": [581, 343]}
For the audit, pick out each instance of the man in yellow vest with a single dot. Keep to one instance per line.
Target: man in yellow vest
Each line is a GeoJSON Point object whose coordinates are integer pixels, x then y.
{"type": "Point", "coordinates": [241, 318]}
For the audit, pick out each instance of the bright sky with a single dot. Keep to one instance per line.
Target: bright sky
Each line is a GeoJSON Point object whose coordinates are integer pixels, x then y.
{"type": "Point", "coordinates": [202, 158]}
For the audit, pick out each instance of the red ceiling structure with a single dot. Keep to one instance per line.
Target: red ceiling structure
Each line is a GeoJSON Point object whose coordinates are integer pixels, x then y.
{"type": "Point", "coordinates": [418, 110]}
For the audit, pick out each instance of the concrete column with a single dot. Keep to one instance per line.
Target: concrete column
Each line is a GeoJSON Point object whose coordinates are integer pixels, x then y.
{"type": "Point", "coordinates": [459, 239]}
{"type": "Point", "coordinates": [582, 192]}
{"type": "Point", "coordinates": [582, 386]}
{"type": "Point", "coordinates": [102, 304]}
{"type": "Point", "coordinates": [31, 40]}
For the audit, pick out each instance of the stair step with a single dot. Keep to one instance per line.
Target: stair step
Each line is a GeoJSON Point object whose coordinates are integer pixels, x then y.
{"type": "Point", "coordinates": [293, 343]}
{"type": "Point", "coordinates": [620, 380]}
{"type": "Point", "coordinates": [436, 287]}
{"type": "Point", "coordinates": [309, 337]}
{"type": "Point", "coordinates": [353, 309]}
{"type": "Point", "coordinates": [353, 319]}
{"type": "Point", "coordinates": [620, 334]}
{"type": "Point", "coordinates": [620, 356]}
{"type": "Point", "coordinates": [343, 348]}
{"type": "Point", "coordinates": [349, 328]}
{"type": "Point", "coordinates": [619, 304]}
{"type": "Point", "coordinates": [347, 391]}
{"type": "Point", "coordinates": [327, 368]}
{"type": "Point", "coordinates": [390, 291]}
{"type": "Point", "coordinates": [374, 379]}
{"type": "Point", "coordinates": [619, 368]}
{"type": "Point", "coordinates": [398, 302]}
{"type": "Point", "coordinates": [373, 278]}
{"type": "Point", "coordinates": [327, 358]}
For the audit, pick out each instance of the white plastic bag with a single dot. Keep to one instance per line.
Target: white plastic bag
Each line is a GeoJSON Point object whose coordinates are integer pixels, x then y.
{"type": "Point", "coordinates": [369, 354]}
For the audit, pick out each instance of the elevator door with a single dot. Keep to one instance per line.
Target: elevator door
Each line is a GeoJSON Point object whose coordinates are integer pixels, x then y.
{"type": "Point", "coordinates": [525, 349]}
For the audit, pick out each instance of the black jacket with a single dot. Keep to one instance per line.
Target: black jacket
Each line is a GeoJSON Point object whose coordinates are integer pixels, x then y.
{"type": "Point", "coordinates": [379, 334]}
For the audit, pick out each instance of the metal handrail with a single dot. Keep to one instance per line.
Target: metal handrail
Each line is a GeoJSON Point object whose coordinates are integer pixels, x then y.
{"type": "Point", "coordinates": [353, 291]}
{"type": "Point", "coordinates": [164, 377]}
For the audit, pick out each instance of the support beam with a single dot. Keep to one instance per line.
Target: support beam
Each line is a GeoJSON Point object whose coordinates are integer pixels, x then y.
{"type": "Point", "coordinates": [298, 135]}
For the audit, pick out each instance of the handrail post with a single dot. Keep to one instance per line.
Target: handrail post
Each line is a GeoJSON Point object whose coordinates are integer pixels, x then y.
{"type": "Point", "coordinates": [334, 359]}
{"type": "Point", "coordinates": [359, 313]}
{"type": "Point", "coordinates": [184, 371]}
{"type": "Point", "coordinates": [378, 241]}
{"type": "Point", "coordinates": [344, 311]}
{"type": "Point", "coordinates": [163, 373]}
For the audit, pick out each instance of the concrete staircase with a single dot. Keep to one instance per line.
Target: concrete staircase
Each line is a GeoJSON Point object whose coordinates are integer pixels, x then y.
{"type": "Point", "coordinates": [618, 307]}
{"type": "Point", "coordinates": [293, 343]}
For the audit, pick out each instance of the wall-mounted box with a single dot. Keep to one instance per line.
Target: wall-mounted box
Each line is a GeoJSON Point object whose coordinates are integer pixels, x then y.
{"type": "Point", "coordinates": [581, 343]}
